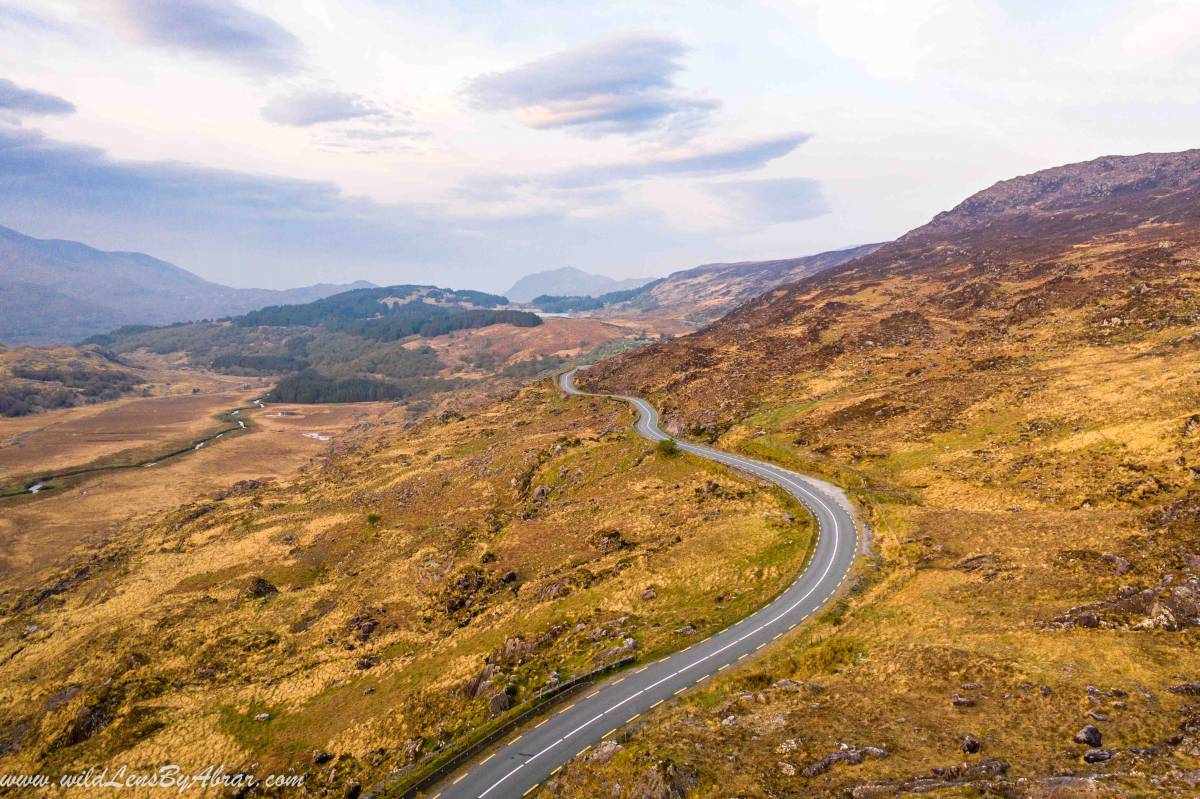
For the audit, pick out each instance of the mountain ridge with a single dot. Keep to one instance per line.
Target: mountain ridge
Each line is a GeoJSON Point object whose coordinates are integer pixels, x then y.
{"type": "Point", "coordinates": [704, 293]}
{"type": "Point", "coordinates": [91, 291]}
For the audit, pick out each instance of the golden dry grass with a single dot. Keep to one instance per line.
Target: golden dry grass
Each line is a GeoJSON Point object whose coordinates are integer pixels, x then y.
{"type": "Point", "coordinates": [494, 539]}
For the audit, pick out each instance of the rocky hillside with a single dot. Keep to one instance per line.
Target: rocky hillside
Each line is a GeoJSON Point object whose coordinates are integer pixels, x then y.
{"type": "Point", "coordinates": [1011, 390]}
{"type": "Point", "coordinates": [699, 295]}
{"type": "Point", "coordinates": [55, 292]}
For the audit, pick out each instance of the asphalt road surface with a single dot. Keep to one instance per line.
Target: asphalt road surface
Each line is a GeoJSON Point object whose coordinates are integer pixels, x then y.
{"type": "Point", "coordinates": [524, 762]}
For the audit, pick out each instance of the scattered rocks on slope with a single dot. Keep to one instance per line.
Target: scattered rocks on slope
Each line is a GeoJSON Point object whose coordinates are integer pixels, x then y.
{"type": "Point", "coordinates": [1186, 689]}
{"type": "Point", "coordinates": [604, 751]}
{"type": "Point", "coordinates": [362, 625]}
{"type": "Point", "coordinates": [609, 541]}
{"type": "Point", "coordinates": [620, 650]}
{"type": "Point", "coordinates": [851, 756]}
{"type": "Point", "coordinates": [258, 588]}
{"type": "Point", "coordinates": [1120, 565]}
{"type": "Point", "coordinates": [978, 776]}
{"type": "Point", "coordinates": [987, 566]}
{"type": "Point", "coordinates": [1165, 606]}
{"type": "Point", "coordinates": [665, 780]}
{"type": "Point", "coordinates": [1097, 755]}
{"type": "Point", "coordinates": [958, 700]}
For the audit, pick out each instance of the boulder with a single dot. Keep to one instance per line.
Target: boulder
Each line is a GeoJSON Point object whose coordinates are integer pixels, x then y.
{"type": "Point", "coordinates": [499, 703]}
{"type": "Point", "coordinates": [850, 756]}
{"type": "Point", "coordinates": [971, 744]}
{"type": "Point", "coordinates": [604, 751]}
{"type": "Point", "coordinates": [362, 625]}
{"type": "Point", "coordinates": [257, 588]}
{"type": "Point", "coordinates": [1186, 689]}
{"type": "Point", "coordinates": [474, 686]}
{"type": "Point", "coordinates": [1089, 735]}
{"type": "Point", "coordinates": [665, 780]}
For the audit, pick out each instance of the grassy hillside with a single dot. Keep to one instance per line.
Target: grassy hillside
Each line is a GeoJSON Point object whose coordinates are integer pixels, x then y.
{"type": "Point", "coordinates": [1011, 392]}
{"type": "Point", "coordinates": [403, 591]}
{"type": "Point", "coordinates": [358, 346]}
{"type": "Point", "coordinates": [37, 379]}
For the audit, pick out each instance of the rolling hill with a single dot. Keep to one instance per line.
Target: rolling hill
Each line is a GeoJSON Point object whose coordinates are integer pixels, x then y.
{"type": "Point", "coordinates": [54, 292]}
{"type": "Point", "coordinates": [407, 343]}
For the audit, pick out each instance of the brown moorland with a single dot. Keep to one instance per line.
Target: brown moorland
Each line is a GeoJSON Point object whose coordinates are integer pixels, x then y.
{"type": "Point", "coordinates": [1011, 391]}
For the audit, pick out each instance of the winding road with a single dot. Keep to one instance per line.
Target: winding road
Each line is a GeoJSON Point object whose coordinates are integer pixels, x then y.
{"type": "Point", "coordinates": [523, 763]}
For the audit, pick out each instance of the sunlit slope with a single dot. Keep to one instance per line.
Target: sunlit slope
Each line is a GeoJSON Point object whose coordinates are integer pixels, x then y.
{"type": "Point", "coordinates": [1013, 389]}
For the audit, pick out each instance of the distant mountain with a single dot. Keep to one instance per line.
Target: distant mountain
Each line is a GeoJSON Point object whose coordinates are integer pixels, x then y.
{"type": "Point", "coordinates": [54, 291]}
{"type": "Point", "coordinates": [568, 282]}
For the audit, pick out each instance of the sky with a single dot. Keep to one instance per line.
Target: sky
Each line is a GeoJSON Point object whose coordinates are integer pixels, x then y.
{"type": "Point", "coordinates": [465, 144]}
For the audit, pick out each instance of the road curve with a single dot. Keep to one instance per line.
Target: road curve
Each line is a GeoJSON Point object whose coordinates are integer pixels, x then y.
{"type": "Point", "coordinates": [522, 763]}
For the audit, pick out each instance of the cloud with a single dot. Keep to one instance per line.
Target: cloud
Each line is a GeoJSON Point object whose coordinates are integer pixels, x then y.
{"type": "Point", "coordinates": [621, 85]}
{"type": "Point", "coordinates": [740, 157]}
{"type": "Point", "coordinates": [12, 17]}
{"type": "Point", "coordinates": [222, 30]}
{"type": "Point", "coordinates": [307, 108]}
{"type": "Point", "coordinates": [603, 181]}
{"type": "Point", "coordinates": [346, 122]}
{"type": "Point", "coordinates": [772, 200]}
{"type": "Point", "coordinates": [16, 100]}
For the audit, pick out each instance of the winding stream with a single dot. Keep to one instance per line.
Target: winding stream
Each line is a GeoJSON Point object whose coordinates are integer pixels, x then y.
{"type": "Point", "coordinates": [45, 483]}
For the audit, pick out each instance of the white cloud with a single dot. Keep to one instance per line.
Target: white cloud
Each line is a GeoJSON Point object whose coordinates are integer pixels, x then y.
{"type": "Point", "coordinates": [623, 84]}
